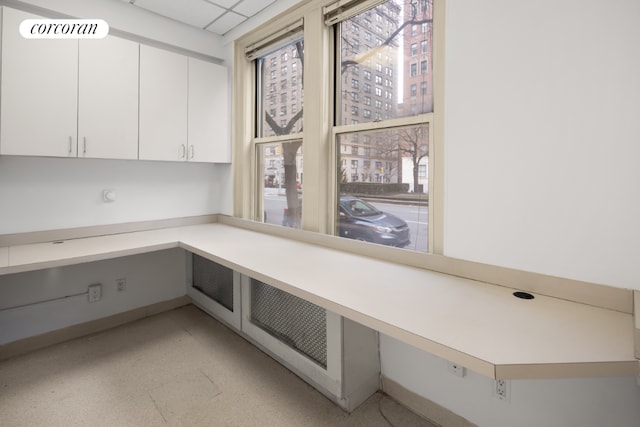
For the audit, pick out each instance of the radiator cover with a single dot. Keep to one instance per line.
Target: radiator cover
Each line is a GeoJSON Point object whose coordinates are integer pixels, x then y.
{"type": "Point", "coordinates": [213, 280]}
{"type": "Point", "coordinates": [298, 323]}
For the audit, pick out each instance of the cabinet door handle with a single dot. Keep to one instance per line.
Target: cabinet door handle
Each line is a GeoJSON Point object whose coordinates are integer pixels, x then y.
{"type": "Point", "coordinates": [70, 144]}
{"type": "Point", "coordinates": [84, 145]}
{"type": "Point", "coordinates": [183, 151]}
{"type": "Point", "coordinates": [192, 152]}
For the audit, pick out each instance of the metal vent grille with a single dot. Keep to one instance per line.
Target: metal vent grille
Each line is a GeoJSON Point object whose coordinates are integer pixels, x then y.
{"type": "Point", "coordinates": [296, 322]}
{"type": "Point", "coordinates": [213, 280]}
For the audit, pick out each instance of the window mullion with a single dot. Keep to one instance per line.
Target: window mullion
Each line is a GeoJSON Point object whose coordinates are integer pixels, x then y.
{"type": "Point", "coordinates": [385, 124]}
{"type": "Point", "coordinates": [278, 138]}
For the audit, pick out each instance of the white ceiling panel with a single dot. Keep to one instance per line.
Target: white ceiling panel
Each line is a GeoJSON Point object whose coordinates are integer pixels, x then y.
{"type": "Point", "coordinates": [226, 22]}
{"type": "Point", "coordinates": [198, 13]}
{"type": "Point", "coordinates": [227, 4]}
{"type": "Point", "coordinates": [251, 7]}
{"type": "Point", "coordinates": [223, 15]}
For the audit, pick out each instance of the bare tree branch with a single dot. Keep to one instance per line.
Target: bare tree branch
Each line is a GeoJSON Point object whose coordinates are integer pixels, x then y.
{"type": "Point", "coordinates": [368, 54]}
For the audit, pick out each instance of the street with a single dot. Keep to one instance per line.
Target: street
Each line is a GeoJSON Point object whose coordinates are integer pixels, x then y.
{"type": "Point", "coordinates": [415, 216]}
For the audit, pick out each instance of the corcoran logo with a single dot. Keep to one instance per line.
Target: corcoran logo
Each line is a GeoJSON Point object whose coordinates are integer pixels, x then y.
{"type": "Point", "coordinates": [64, 29]}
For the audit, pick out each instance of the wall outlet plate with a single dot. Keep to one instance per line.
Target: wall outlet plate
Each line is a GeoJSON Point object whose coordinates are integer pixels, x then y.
{"type": "Point", "coordinates": [502, 390]}
{"type": "Point", "coordinates": [456, 369]}
{"type": "Point", "coordinates": [95, 292]}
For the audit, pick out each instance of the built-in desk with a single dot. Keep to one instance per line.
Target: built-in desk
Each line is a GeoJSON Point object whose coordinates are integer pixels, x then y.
{"type": "Point", "coordinates": [475, 324]}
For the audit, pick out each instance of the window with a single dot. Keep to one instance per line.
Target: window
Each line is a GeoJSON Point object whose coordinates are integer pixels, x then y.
{"type": "Point", "coordinates": [279, 164]}
{"type": "Point", "coordinates": [413, 70]}
{"type": "Point", "coordinates": [424, 67]}
{"type": "Point", "coordinates": [276, 161]}
{"type": "Point", "coordinates": [378, 97]}
{"type": "Point", "coordinates": [394, 157]}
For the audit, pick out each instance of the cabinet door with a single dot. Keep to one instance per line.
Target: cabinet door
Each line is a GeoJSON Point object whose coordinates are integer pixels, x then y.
{"type": "Point", "coordinates": [39, 92]}
{"type": "Point", "coordinates": [163, 105]}
{"type": "Point", "coordinates": [208, 112]}
{"type": "Point", "coordinates": [108, 99]}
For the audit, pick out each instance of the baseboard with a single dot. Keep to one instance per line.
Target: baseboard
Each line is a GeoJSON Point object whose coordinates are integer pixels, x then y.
{"type": "Point", "coordinates": [424, 407]}
{"type": "Point", "coordinates": [26, 345]}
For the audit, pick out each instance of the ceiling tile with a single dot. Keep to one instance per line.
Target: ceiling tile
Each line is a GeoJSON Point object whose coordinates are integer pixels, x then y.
{"type": "Point", "coordinates": [251, 7]}
{"type": "Point", "coordinates": [193, 12]}
{"type": "Point", "coordinates": [225, 23]}
{"type": "Point", "coordinates": [224, 3]}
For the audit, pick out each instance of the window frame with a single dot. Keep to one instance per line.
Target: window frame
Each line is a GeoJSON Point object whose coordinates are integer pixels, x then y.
{"type": "Point", "coordinates": [319, 136]}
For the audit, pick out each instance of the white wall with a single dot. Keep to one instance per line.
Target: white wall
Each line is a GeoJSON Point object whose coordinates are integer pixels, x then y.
{"type": "Point", "coordinates": [151, 278]}
{"type": "Point", "coordinates": [579, 402]}
{"type": "Point", "coordinates": [542, 136]}
{"type": "Point", "coordinates": [44, 193]}
{"type": "Point", "coordinates": [542, 144]}
{"type": "Point", "coordinates": [51, 193]}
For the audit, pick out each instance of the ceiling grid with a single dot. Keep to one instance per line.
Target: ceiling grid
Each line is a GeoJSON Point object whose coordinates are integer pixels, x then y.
{"type": "Point", "coordinates": [216, 16]}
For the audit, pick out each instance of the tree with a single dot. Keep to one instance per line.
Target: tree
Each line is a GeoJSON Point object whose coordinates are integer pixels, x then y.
{"type": "Point", "coordinates": [414, 143]}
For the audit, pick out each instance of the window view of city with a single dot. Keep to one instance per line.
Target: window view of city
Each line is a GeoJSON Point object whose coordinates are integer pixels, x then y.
{"type": "Point", "coordinates": [280, 104]}
{"type": "Point", "coordinates": [385, 73]}
{"type": "Point", "coordinates": [385, 65]}
{"type": "Point", "coordinates": [281, 193]}
{"type": "Point", "coordinates": [280, 109]}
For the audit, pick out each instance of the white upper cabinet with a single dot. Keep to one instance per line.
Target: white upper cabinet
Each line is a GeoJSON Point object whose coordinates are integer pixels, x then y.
{"type": "Point", "coordinates": [68, 98]}
{"type": "Point", "coordinates": [108, 99]}
{"type": "Point", "coordinates": [163, 105]}
{"type": "Point", "coordinates": [208, 116]}
{"type": "Point", "coordinates": [39, 92]}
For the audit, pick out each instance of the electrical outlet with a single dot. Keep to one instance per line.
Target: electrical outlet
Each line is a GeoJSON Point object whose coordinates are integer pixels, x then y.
{"type": "Point", "coordinates": [502, 389]}
{"type": "Point", "coordinates": [121, 284]}
{"type": "Point", "coordinates": [95, 292]}
{"type": "Point", "coordinates": [456, 369]}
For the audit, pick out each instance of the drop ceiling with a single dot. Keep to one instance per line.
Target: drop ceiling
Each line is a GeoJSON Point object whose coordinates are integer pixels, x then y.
{"type": "Point", "coordinates": [216, 16]}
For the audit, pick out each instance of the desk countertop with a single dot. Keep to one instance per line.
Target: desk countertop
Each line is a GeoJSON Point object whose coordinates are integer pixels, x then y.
{"type": "Point", "coordinates": [475, 324]}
